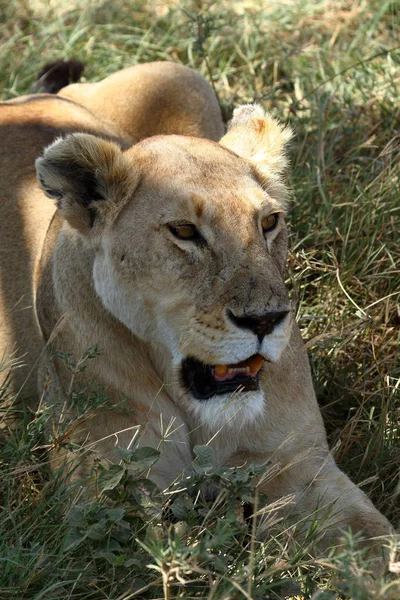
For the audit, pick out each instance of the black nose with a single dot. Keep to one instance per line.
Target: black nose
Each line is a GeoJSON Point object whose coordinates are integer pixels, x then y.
{"type": "Point", "coordinates": [260, 325]}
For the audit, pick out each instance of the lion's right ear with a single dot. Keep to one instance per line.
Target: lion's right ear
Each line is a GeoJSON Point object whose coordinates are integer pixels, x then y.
{"type": "Point", "coordinates": [87, 176]}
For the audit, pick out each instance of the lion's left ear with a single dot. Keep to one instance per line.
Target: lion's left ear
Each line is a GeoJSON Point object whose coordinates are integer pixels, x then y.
{"type": "Point", "coordinates": [255, 135]}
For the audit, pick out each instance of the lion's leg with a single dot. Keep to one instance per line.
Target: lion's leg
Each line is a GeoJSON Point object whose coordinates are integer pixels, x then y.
{"type": "Point", "coordinates": [322, 493]}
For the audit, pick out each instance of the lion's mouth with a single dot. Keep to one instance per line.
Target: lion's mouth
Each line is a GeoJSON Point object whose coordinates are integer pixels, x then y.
{"type": "Point", "coordinates": [205, 381]}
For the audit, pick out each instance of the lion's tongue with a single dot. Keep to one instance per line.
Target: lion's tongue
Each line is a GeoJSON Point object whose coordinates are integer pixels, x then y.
{"type": "Point", "coordinates": [248, 368]}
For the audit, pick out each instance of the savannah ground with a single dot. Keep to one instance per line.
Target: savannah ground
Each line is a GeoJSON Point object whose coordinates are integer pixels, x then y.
{"type": "Point", "coordinates": [331, 69]}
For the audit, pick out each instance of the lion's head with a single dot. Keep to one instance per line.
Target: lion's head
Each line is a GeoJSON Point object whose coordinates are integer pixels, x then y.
{"type": "Point", "coordinates": [189, 245]}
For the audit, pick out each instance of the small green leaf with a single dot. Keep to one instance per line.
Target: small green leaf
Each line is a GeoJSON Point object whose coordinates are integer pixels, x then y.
{"type": "Point", "coordinates": [125, 454]}
{"type": "Point", "coordinates": [182, 508]}
{"type": "Point", "coordinates": [204, 459]}
{"type": "Point", "coordinates": [139, 459]}
{"type": "Point", "coordinates": [109, 556]}
{"type": "Point", "coordinates": [258, 469]}
{"type": "Point", "coordinates": [138, 454]}
{"type": "Point", "coordinates": [113, 546]}
{"type": "Point", "coordinates": [73, 538]}
{"type": "Point", "coordinates": [325, 595]}
{"type": "Point", "coordinates": [115, 514]}
{"type": "Point", "coordinates": [122, 535]}
{"type": "Point", "coordinates": [144, 491]}
{"type": "Point", "coordinates": [130, 562]}
{"type": "Point", "coordinates": [145, 453]}
{"type": "Point", "coordinates": [96, 531]}
{"type": "Point", "coordinates": [76, 517]}
{"type": "Point", "coordinates": [109, 478]}
{"type": "Point", "coordinates": [120, 560]}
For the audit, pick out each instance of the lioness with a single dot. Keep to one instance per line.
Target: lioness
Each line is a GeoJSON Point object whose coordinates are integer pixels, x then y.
{"type": "Point", "coordinates": [169, 258]}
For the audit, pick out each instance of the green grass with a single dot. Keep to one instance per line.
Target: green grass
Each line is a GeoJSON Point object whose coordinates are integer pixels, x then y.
{"type": "Point", "coordinates": [332, 69]}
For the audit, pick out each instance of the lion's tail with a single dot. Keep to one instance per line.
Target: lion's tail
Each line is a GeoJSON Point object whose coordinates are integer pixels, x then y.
{"type": "Point", "coordinates": [56, 75]}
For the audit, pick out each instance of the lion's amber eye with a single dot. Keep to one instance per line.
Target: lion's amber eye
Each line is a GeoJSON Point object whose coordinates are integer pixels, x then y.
{"type": "Point", "coordinates": [270, 222]}
{"type": "Point", "coordinates": [186, 231]}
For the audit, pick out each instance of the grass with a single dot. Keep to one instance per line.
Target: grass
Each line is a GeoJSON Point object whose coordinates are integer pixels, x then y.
{"type": "Point", "coordinates": [331, 68]}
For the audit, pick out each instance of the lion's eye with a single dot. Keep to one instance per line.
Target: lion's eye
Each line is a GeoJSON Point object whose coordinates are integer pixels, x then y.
{"type": "Point", "coordinates": [270, 222]}
{"type": "Point", "coordinates": [186, 231]}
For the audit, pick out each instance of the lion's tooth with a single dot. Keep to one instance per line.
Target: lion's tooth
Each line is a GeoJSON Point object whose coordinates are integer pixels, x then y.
{"type": "Point", "coordinates": [255, 363]}
{"type": "Point", "coordinates": [221, 370]}
{"type": "Point", "coordinates": [249, 367]}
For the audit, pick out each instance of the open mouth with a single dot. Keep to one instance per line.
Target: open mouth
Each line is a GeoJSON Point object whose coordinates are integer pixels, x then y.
{"type": "Point", "coordinates": [205, 381]}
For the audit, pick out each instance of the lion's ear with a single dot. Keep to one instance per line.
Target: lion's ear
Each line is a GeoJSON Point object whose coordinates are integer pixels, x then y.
{"type": "Point", "coordinates": [253, 134]}
{"type": "Point", "coordinates": [87, 176]}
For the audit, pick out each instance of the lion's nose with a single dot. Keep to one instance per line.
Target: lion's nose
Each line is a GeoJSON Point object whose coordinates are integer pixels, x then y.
{"type": "Point", "coordinates": [261, 325]}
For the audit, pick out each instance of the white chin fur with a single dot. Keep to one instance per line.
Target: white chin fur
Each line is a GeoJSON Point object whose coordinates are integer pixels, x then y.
{"type": "Point", "coordinates": [227, 410]}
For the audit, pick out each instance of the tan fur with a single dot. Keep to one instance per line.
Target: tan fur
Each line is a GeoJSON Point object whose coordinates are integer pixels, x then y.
{"type": "Point", "coordinates": [112, 275]}
{"type": "Point", "coordinates": [28, 124]}
{"type": "Point", "coordinates": [178, 99]}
